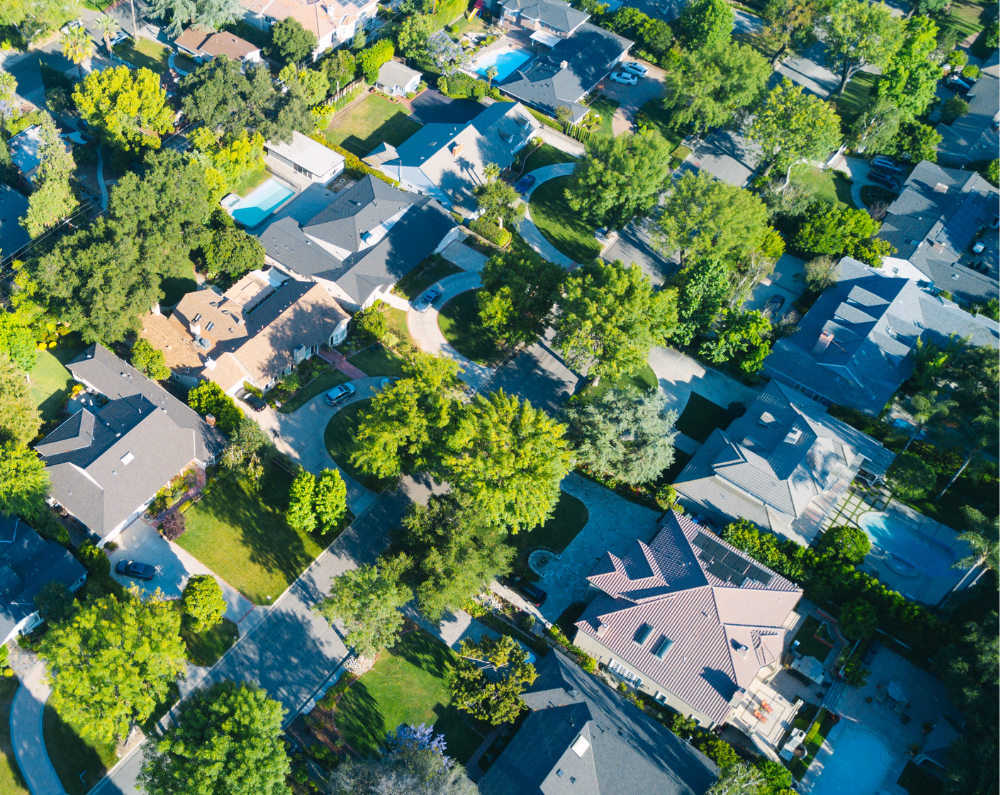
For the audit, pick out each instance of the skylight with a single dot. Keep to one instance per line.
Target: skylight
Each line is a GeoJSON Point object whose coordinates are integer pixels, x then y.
{"type": "Point", "coordinates": [581, 745]}
{"type": "Point", "coordinates": [642, 634]}
{"type": "Point", "coordinates": [127, 459]}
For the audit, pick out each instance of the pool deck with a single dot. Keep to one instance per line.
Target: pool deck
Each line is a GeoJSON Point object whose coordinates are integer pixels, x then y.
{"type": "Point", "coordinates": [264, 188]}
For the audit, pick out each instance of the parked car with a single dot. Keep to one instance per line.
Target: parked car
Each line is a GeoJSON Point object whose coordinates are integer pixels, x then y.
{"type": "Point", "coordinates": [957, 84]}
{"type": "Point", "coordinates": [885, 180]}
{"type": "Point", "coordinates": [525, 183]}
{"type": "Point", "coordinates": [774, 303]}
{"type": "Point", "coordinates": [339, 394]}
{"type": "Point", "coordinates": [119, 37]}
{"type": "Point", "coordinates": [254, 402]}
{"type": "Point", "coordinates": [71, 25]}
{"type": "Point", "coordinates": [624, 78]}
{"type": "Point", "coordinates": [528, 591]}
{"type": "Point", "coordinates": [426, 301]}
{"type": "Point", "coordinates": [887, 164]}
{"type": "Point", "coordinates": [387, 382]}
{"type": "Point", "coordinates": [636, 69]}
{"type": "Point", "coordinates": [132, 568]}
{"type": "Point", "coordinates": [601, 234]}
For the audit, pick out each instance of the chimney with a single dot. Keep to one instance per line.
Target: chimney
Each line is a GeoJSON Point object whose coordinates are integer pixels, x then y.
{"type": "Point", "coordinates": [210, 419]}
{"type": "Point", "coordinates": [456, 150]}
{"type": "Point", "coordinates": [564, 64]}
{"type": "Point", "coordinates": [156, 309]}
{"type": "Point", "coordinates": [195, 329]}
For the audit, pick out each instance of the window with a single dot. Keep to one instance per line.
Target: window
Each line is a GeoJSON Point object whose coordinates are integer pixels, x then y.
{"type": "Point", "coordinates": [634, 679]}
{"type": "Point", "coordinates": [300, 170]}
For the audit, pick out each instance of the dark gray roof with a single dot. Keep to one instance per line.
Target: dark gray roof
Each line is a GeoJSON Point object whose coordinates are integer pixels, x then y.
{"type": "Point", "coordinates": [553, 14]}
{"type": "Point", "coordinates": [934, 222]}
{"type": "Point", "coordinates": [720, 612]}
{"type": "Point", "coordinates": [619, 749]}
{"type": "Point", "coordinates": [939, 742]}
{"type": "Point", "coordinates": [974, 136]}
{"type": "Point", "coordinates": [343, 224]}
{"type": "Point", "coordinates": [589, 54]}
{"type": "Point", "coordinates": [853, 347]}
{"type": "Point", "coordinates": [13, 206]}
{"type": "Point", "coordinates": [27, 563]}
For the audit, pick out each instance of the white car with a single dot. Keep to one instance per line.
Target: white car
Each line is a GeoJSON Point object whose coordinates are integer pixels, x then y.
{"type": "Point", "coordinates": [634, 68]}
{"type": "Point", "coordinates": [624, 78]}
{"type": "Point", "coordinates": [119, 37]}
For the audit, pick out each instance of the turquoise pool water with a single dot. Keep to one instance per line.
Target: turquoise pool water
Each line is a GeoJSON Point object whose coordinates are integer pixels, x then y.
{"type": "Point", "coordinates": [859, 762]}
{"type": "Point", "coordinates": [255, 207]}
{"type": "Point", "coordinates": [928, 556]}
{"type": "Point", "coordinates": [506, 61]}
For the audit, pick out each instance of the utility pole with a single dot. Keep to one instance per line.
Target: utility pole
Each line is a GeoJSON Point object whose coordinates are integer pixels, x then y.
{"type": "Point", "coordinates": [135, 30]}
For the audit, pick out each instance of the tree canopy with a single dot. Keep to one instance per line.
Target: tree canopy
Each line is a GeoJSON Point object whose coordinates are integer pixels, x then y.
{"type": "Point", "coordinates": [495, 699]}
{"type": "Point", "coordinates": [148, 360]}
{"type": "Point", "coordinates": [204, 14]}
{"type": "Point", "coordinates": [703, 288]}
{"type": "Point", "coordinates": [706, 22]}
{"type": "Point", "coordinates": [842, 231]}
{"type": "Point", "coordinates": [791, 25]}
{"type": "Point", "coordinates": [911, 79]}
{"type": "Point", "coordinates": [741, 335]}
{"type": "Point", "coordinates": [127, 109]}
{"type": "Point", "coordinates": [517, 296]}
{"type": "Point", "coordinates": [52, 198]}
{"type": "Point", "coordinates": [290, 41]}
{"type": "Point", "coordinates": [203, 602]}
{"type": "Point", "coordinates": [498, 200]}
{"type": "Point", "coordinates": [858, 34]}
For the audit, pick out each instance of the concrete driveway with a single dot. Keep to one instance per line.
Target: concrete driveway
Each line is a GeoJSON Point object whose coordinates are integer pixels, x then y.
{"type": "Point", "coordinates": [726, 155]}
{"type": "Point", "coordinates": [680, 375]}
{"type": "Point", "coordinates": [174, 566]}
{"type": "Point", "coordinates": [786, 280]}
{"type": "Point", "coordinates": [635, 245]}
{"type": "Point", "coordinates": [537, 374]}
{"type": "Point", "coordinates": [809, 71]}
{"type": "Point", "coordinates": [631, 98]}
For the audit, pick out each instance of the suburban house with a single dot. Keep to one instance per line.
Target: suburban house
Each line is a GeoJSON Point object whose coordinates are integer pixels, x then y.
{"type": "Point", "coordinates": [364, 241]}
{"type": "Point", "coordinates": [944, 228]}
{"type": "Point", "coordinates": [974, 137]}
{"type": "Point", "coordinates": [127, 440]}
{"type": "Point", "coordinates": [304, 156]}
{"type": "Point", "coordinates": [397, 79]}
{"type": "Point", "coordinates": [582, 737]}
{"type": "Point", "coordinates": [447, 161]}
{"type": "Point", "coordinates": [333, 22]}
{"type": "Point", "coordinates": [688, 619]}
{"type": "Point", "coordinates": [202, 46]}
{"type": "Point", "coordinates": [781, 465]}
{"type": "Point", "coordinates": [255, 332]}
{"type": "Point", "coordinates": [13, 206]}
{"type": "Point", "coordinates": [29, 562]}
{"type": "Point", "coordinates": [25, 152]}
{"type": "Point", "coordinates": [853, 346]}
{"type": "Point", "coordinates": [578, 59]}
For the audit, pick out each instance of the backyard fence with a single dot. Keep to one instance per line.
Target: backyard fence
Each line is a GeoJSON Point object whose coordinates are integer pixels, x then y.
{"type": "Point", "coordinates": [354, 84]}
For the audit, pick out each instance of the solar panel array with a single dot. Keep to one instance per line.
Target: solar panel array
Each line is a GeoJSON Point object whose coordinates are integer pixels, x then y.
{"type": "Point", "coordinates": [727, 565]}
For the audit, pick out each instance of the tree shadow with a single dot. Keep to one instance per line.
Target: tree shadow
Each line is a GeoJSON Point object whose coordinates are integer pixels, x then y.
{"type": "Point", "coordinates": [426, 652]}
{"type": "Point", "coordinates": [360, 720]}
{"type": "Point", "coordinates": [79, 763]}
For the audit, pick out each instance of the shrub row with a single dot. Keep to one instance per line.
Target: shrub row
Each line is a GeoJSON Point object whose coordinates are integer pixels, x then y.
{"type": "Point", "coordinates": [354, 163]}
{"type": "Point", "coordinates": [491, 232]}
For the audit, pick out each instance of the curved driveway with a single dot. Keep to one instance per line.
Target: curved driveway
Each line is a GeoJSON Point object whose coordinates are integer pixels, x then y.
{"type": "Point", "coordinates": [531, 234]}
{"type": "Point", "coordinates": [26, 733]}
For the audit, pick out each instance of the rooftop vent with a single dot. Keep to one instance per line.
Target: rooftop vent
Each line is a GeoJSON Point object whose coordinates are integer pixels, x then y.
{"type": "Point", "coordinates": [602, 629]}
{"type": "Point", "coordinates": [742, 650]}
{"type": "Point", "coordinates": [581, 745]}
{"type": "Point", "coordinates": [793, 436]}
{"type": "Point", "coordinates": [766, 419]}
{"type": "Point", "coordinates": [456, 150]}
{"type": "Point", "coordinates": [642, 634]}
{"type": "Point", "coordinates": [662, 647]}
{"type": "Point", "coordinates": [940, 188]}
{"type": "Point", "coordinates": [564, 64]}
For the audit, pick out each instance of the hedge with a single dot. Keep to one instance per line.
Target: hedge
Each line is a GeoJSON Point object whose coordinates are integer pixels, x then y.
{"type": "Point", "coordinates": [353, 162]}
{"type": "Point", "coordinates": [491, 232]}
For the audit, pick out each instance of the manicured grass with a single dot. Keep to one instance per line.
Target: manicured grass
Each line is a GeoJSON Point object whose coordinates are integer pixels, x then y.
{"type": "Point", "coordinates": [464, 26]}
{"type": "Point", "coordinates": [431, 270]}
{"type": "Point", "coordinates": [378, 360]}
{"type": "Point", "coordinates": [317, 386]}
{"type": "Point", "coordinates": [79, 763]}
{"type": "Point", "coordinates": [448, 11]}
{"type": "Point", "coordinates": [813, 742]}
{"type": "Point", "coordinates": [919, 781]}
{"type": "Point", "coordinates": [178, 283]}
{"type": "Point", "coordinates": [207, 647]}
{"type": "Point", "coordinates": [248, 182]}
{"type": "Point", "coordinates": [245, 539]}
{"type": "Point", "coordinates": [567, 520]}
{"type": "Point", "coordinates": [547, 155]}
{"type": "Point", "coordinates": [11, 781]}
{"type": "Point", "coordinates": [605, 108]}
{"type": "Point", "coordinates": [459, 322]}
{"type": "Point", "coordinates": [965, 18]}
{"type": "Point", "coordinates": [397, 324]}
{"type": "Point", "coordinates": [372, 121]}
{"type": "Point", "coordinates": [658, 117]}
{"type": "Point", "coordinates": [560, 224]}
{"type": "Point", "coordinates": [341, 439]}
{"type": "Point", "coordinates": [855, 98]}
{"type": "Point", "coordinates": [700, 417]}
{"type": "Point", "coordinates": [407, 685]}
{"type": "Point", "coordinates": [144, 53]}
{"type": "Point", "coordinates": [185, 64]}
{"type": "Point", "coordinates": [828, 186]}
{"type": "Point", "coordinates": [809, 645]}
{"type": "Point", "coordinates": [51, 381]}
{"type": "Point", "coordinates": [644, 380]}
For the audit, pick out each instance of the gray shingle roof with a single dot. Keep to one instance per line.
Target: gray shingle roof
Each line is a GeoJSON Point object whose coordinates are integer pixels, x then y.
{"type": "Point", "coordinates": [626, 751]}
{"type": "Point", "coordinates": [393, 74]}
{"type": "Point", "coordinates": [694, 590]}
{"type": "Point", "coordinates": [974, 136]}
{"type": "Point", "coordinates": [853, 346]}
{"type": "Point", "coordinates": [13, 206]}
{"type": "Point", "coordinates": [554, 14]}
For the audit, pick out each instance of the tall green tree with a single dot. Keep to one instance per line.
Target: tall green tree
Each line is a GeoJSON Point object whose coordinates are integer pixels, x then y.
{"type": "Point", "coordinates": [625, 433]}
{"type": "Point", "coordinates": [341, 68]}
{"type": "Point", "coordinates": [706, 22]}
{"type": "Point", "coordinates": [913, 73]}
{"type": "Point", "coordinates": [113, 662]}
{"type": "Point", "coordinates": [791, 26]}
{"type": "Point", "coordinates": [148, 360]}
{"type": "Point", "coordinates": [227, 738]}
{"type": "Point", "coordinates": [311, 84]}
{"type": "Point", "coordinates": [702, 291]}
{"type": "Point", "coordinates": [78, 47]}
{"type": "Point", "coordinates": [877, 128]}
{"type": "Point", "coordinates": [620, 178]}
{"type": "Point", "coordinates": [108, 26]}
{"type": "Point", "coordinates": [708, 85]}
{"type": "Point", "coordinates": [609, 317]}
{"type": "Point", "coordinates": [290, 42]}
{"type": "Point", "coordinates": [517, 296]}
{"type": "Point", "coordinates": [300, 514]}
{"type": "Point", "coordinates": [330, 502]}
{"type": "Point", "coordinates": [413, 34]}
{"type": "Point", "coordinates": [859, 34]}
{"type": "Point", "coordinates": [371, 59]}
{"type": "Point", "coordinates": [24, 483]}
{"type": "Point", "coordinates": [842, 231]}
{"type": "Point", "coordinates": [16, 340]}
{"type": "Point", "coordinates": [508, 458]}
{"type": "Point", "coordinates": [128, 110]}
{"type": "Point", "coordinates": [917, 141]}
{"type": "Point", "coordinates": [704, 216]}
{"type": "Point", "coordinates": [233, 252]}
{"type": "Point", "coordinates": [924, 408]}
{"type": "Point", "coordinates": [741, 335]}
{"type": "Point", "coordinates": [367, 600]}
{"type": "Point", "coordinates": [208, 398]}
{"type": "Point", "coordinates": [793, 126]}
{"type": "Point", "coordinates": [203, 602]}
{"type": "Point", "coordinates": [52, 198]}
{"type": "Point", "coordinates": [982, 535]}
{"type": "Point", "coordinates": [497, 199]}
{"type": "Point", "coordinates": [495, 699]}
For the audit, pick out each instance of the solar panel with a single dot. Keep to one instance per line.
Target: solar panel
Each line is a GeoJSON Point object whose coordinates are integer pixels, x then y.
{"type": "Point", "coordinates": [759, 575]}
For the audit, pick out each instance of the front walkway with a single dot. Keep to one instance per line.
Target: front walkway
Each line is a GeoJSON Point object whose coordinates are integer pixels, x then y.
{"type": "Point", "coordinates": [531, 234]}
{"type": "Point", "coordinates": [26, 733]}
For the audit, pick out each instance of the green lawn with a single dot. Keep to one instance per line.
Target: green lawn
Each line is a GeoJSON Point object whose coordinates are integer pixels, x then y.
{"type": "Point", "coordinates": [813, 742]}
{"type": "Point", "coordinates": [372, 121]}
{"type": "Point", "coordinates": [658, 117]}
{"type": "Point", "coordinates": [317, 386]}
{"type": "Point", "coordinates": [644, 380]}
{"type": "Point", "coordinates": [51, 381]}
{"type": "Point", "coordinates": [407, 685]}
{"type": "Point", "coordinates": [178, 283]}
{"type": "Point", "coordinates": [605, 108]}
{"type": "Point", "coordinates": [79, 763]}
{"type": "Point", "coordinates": [248, 182]}
{"type": "Point", "coordinates": [431, 270]}
{"type": "Point", "coordinates": [828, 186]}
{"type": "Point", "coordinates": [341, 438]}
{"type": "Point", "coordinates": [566, 521]}
{"type": "Point", "coordinates": [144, 53]}
{"type": "Point", "coordinates": [397, 324]}
{"type": "Point", "coordinates": [854, 99]}
{"type": "Point", "coordinates": [809, 645]}
{"type": "Point", "coordinates": [965, 18]}
{"type": "Point", "coordinates": [244, 538]}
{"type": "Point", "coordinates": [464, 26]}
{"type": "Point", "coordinates": [561, 225]}
{"type": "Point", "coordinates": [546, 155]}
{"type": "Point", "coordinates": [11, 781]}
{"type": "Point", "coordinates": [919, 781]}
{"type": "Point", "coordinates": [448, 11]}
{"type": "Point", "coordinates": [378, 360]}
{"type": "Point", "coordinates": [460, 324]}
{"type": "Point", "coordinates": [700, 417]}
{"type": "Point", "coordinates": [207, 647]}
{"type": "Point", "coordinates": [185, 64]}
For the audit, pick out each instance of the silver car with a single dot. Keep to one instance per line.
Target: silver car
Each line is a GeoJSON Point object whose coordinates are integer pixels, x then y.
{"type": "Point", "coordinates": [339, 394]}
{"type": "Point", "coordinates": [426, 301]}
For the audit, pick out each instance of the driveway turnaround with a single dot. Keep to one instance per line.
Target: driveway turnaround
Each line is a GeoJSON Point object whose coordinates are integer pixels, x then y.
{"type": "Point", "coordinates": [631, 98]}
{"type": "Point", "coordinates": [531, 234]}
{"type": "Point", "coordinates": [26, 733]}
{"type": "Point", "coordinates": [680, 375]}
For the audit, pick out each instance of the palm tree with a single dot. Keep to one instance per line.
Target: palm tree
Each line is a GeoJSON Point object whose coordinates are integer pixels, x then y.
{"type": "Point", "coordinates": [983, 538]}
{"type": "Point", "coordinates": [975, 436]}
{"type": "Point", "coordinates": [108, 27]}
{"type": "Point", "coordinates": [78, 47]}
{"type": "Point", "coordinates": [491, 73]}
{"type": "Point", "coordinates": [924, 407]}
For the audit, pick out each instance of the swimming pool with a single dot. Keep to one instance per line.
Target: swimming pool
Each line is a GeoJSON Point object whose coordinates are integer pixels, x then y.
{"type": "Point", "coordinates": [506, 61]}
{"type": "Point", "coordinates": [913, 547]}
{"type": "Point", "coordinates": [255, 207]}
{"type": "Point", "coordinates": [858, 763]}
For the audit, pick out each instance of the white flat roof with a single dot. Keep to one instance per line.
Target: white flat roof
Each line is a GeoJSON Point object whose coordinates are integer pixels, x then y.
{"type": "Point", "coordinates": [307, 153]}
{"type": "Point", "coordinates": [545, 38]}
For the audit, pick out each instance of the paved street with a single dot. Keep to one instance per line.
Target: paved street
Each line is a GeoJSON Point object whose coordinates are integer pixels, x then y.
{"type": "Point", "coordinates": [537, 374]}
{"type": "Point", "coordinates": [635, 246]}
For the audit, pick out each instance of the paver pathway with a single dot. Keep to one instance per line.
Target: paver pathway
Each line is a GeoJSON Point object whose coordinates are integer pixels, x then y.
{"type": "Point", "coordinates": [338, 360]}
{"type": "Point", "coordinates": [26, 733]}
{"type": "Point", "coordinates": [531, 233]}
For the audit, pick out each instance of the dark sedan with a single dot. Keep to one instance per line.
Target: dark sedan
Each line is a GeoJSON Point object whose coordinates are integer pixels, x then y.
{"type": "Point", "coordinates": [132, 568]}
{"type": "Point", "coordinates": [525, 184]}
{"type": "Point", "coordinates": [528, 591]}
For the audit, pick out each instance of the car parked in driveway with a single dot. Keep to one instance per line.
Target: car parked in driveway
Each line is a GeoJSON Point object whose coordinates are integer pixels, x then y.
{"type": "Point", "coordinates": [385, 383]}
{"type": "Point", "coordinates": [774, 303]}
{"type": "Point", "coordinates": [426, 301]}
{"type": "Point", "coordinates": [885, 180]}
{"type": "Point", "coordinates": [886, 164]}
{"type": "Point", "coordinates": [254, 402]}
{"type": "Point", "coordinates": [119, 37]}
{"type": "Point", "coordinates": [624, 78]}
{"type": "Point", "coordinates": [957, 84]}
{"type": "Point", "coordinates": [527, 590]}
{"type": "Point", "coordinates": [636, 69]}
{"type": "Point", "coordinates": [525, 184]}
{"type": "Point", "coordinates": [339, 394]}
{"type": "Point", "coordinates": [132, 568]}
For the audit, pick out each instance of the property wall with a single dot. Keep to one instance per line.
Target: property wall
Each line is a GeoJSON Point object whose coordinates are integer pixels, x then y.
{"type": "Point", "coordinates": [448, 239]}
